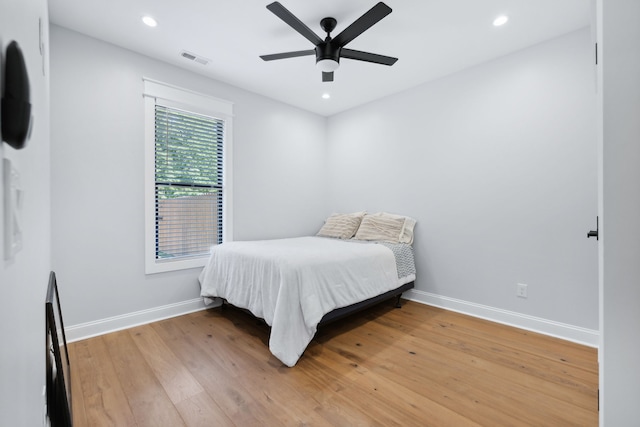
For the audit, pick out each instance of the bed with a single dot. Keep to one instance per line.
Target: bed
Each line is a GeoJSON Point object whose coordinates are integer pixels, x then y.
{"type": "Point", "coordinates": [295, 284]}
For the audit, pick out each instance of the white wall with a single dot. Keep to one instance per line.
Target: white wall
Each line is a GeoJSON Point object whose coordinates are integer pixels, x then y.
{"type": "Point", "coordinates": [23, 280]}
{"type": "Point", "coordinates": [98, 186]}
{"type": "Point", "coordinates": [619, 44]}
{"type": "Point", "coordinates": [498, 165]}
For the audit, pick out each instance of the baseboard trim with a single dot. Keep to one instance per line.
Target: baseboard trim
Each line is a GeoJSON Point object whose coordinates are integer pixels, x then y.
{"type": "Point", "coordinates": [117, 323]}
{"type": "Point", "coordinates": [564, 331]}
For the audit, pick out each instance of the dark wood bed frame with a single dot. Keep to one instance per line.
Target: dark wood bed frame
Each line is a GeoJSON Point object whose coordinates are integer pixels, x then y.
{"type": "Point", "coordinates": [342, 312]}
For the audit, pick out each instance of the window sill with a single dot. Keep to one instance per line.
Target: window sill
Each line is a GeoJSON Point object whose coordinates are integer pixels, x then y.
{"type": "Point", "coordinates": [155, 266]}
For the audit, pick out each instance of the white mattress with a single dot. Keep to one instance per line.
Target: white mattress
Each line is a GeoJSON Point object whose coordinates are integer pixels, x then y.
{"type": "Point", "coordinates": [292, 283]}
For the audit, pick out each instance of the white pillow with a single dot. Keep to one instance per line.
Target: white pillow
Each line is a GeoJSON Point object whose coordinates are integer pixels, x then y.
{"type": "Point", "coordinates": [341, 226]}
{"type": "Point", "coordinates": [386, 227]}
{"type": "Point", "coordinates": [407, 231]}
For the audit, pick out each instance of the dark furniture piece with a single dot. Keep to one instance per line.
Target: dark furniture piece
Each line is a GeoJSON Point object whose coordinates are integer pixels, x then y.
{"type": "Point", "coordinates": [340, 313]}
{"type": "Point", "coordinates": [58, 369]}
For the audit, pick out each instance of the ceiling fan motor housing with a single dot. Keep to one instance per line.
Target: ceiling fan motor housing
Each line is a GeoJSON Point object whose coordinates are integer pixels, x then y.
{"type": "Point", "coordinates": [327, 50]}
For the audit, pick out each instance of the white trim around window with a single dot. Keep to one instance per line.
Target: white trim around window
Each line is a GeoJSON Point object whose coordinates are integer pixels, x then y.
{"type": "Point", "coordinates": [174, 97]}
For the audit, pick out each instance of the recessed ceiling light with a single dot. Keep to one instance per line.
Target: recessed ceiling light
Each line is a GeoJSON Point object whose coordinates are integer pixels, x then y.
{"type": "Point", "coordinates": [326, 96]}
{"type": "Point", "coordinates": [500, 20]}
{"type": "Point", "coordinates": [149, 21]}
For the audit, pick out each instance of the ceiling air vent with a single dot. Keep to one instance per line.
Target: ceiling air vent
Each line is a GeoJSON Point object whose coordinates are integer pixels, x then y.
{"type": "Point", "coordinates": [193, 57]}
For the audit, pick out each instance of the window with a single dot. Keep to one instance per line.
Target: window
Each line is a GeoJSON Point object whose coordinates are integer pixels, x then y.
{"type": "Point", "coordinates": [187, 157]}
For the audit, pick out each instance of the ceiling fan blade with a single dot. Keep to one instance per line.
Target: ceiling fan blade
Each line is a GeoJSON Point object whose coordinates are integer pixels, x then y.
{"type": "Point", "coordinates": [366, 56]}
{"type": "Point", "coordinates": [281, 12]}
{"type": "Point", "coordinates": [360, 25]}
{"type": "Point", "coordinates": [327, 77]}
{"type": "Point", "coordinates": [286, 55]}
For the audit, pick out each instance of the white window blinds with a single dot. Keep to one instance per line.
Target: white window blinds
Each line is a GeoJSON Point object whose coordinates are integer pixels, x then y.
{"type": "Point", "coordinates": [188, 183]}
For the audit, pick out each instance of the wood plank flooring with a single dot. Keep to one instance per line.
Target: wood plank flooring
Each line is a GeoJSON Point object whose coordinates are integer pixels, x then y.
{"type": "Point", "coordinates": [417, 365]}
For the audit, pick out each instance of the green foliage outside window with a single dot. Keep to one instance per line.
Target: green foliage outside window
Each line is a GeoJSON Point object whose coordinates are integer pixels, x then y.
{"type": "Point", "coordinates": [188, 153]}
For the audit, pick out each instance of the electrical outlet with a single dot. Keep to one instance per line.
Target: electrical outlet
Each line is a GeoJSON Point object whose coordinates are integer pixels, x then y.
{"type": "Point", "coordinates": [521, 290]}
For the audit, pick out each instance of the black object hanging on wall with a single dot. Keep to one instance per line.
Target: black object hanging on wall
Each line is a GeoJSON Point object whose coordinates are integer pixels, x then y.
{"type": "Point", "coordinates": [16, 108]}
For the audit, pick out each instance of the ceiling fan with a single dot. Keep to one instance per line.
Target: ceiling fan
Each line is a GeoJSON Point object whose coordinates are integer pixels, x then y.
{"type": "Point", "coordinates": [329, 51]}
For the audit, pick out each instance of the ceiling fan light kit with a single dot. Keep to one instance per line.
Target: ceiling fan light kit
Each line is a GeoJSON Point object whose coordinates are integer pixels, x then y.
{"type": "Point", "coordinates": [327, 65]}
{"type": "Point", "coordinates": [329, 51]}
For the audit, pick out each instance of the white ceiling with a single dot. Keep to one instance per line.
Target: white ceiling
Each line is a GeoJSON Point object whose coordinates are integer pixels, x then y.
{"type": "Point", "coordinates": [431, 38]}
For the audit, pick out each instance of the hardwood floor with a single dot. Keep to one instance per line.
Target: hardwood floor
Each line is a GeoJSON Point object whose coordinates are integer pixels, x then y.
{"type": "Point", "coordinates": [417, 365]}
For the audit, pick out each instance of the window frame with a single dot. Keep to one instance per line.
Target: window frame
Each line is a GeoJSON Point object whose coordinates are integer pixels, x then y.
{"type": "Point", "coordinates": [156, 92]}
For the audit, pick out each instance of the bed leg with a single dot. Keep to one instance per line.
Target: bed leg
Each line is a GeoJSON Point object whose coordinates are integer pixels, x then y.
{"type": "Point", "coordinates": [398, 305]}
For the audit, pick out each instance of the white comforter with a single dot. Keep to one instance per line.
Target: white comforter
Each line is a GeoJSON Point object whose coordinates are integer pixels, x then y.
{"type": "Point", "coordinates": [292, 283]}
